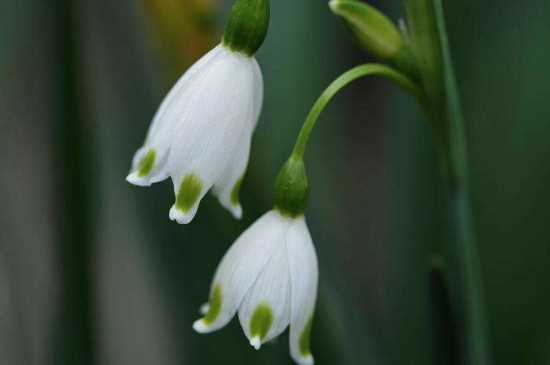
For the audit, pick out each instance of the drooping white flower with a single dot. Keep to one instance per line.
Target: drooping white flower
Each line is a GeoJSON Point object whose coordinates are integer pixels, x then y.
{"type": "Point", "coordinates": [201, 134]}
{"type": "Point", "coordinates": [270, 277]}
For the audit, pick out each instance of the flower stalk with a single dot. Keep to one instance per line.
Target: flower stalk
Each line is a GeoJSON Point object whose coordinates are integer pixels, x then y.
{"type": "Point", "coordinates": [430, 43]}
{"type": "Point", "coordinates": [472, 301]}
{"type": "Point", "coordinates": [425, 58]}
{"type": "Point", "coordinates": [291, 187]}
{"type": "Point", "coordinates": [369, 69]}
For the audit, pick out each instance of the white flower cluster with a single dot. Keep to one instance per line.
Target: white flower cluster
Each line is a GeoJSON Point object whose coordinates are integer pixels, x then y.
{"type": "Point", "coordinates": [200, 137]}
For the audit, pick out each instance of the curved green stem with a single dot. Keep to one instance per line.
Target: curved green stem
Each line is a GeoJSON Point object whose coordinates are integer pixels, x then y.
{"type": "Point", "coordinates": [369, 69]}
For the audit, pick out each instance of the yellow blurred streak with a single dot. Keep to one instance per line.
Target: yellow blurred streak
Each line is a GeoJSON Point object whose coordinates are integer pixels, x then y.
{"type": "Point", "coordinates": [183, 30]}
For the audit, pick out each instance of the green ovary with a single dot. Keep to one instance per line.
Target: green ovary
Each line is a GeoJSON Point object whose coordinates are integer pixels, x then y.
{"type": "Point", "coordinates": [147, 163]}
{"type": "Point", "coordinates": [235, 192]}
{"type": "Point", "coordinates": [261, 321]}
{"type": "Point", "coordinates": [304, 338]}
{"type": "Point", "coordinates": [189, 193]}
{"type": "Point", "coordinates": [214, 305]}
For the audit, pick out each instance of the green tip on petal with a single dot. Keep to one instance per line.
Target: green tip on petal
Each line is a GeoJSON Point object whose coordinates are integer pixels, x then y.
{"type": "Point", "coordinates": [234, 198]}
{"type": "Point", "coordinates": [247, 26]}
{"type": "Point", "coordinates": [147, 163]}
{"type": "Point", "coordinates": [189, 193]}
{"type": "Point", "coordinates": [305, 339]}
{"type": "Point", "coordinates": [214, 305]}
{"type": "Point", "coordinates": [261, 321]}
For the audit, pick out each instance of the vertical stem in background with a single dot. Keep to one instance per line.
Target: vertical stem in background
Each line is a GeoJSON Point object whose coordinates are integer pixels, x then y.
{"type": "Point", "coordinates": [74, 339]}
{"type": "Point", "coordinates": [468, 296]}
{"type": "Point", "coordinates": [462, 248]}
{"type": "Point", "coordinates": [429, 40]}
{"type": "Point", "coordinates": [446, 342]}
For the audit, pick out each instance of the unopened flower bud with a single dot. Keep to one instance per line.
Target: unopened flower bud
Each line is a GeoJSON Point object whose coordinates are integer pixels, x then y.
{"type": "Point", "coordinates": [372, 28]}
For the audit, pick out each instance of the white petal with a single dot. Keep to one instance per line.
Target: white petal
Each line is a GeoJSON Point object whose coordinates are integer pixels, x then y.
{"type": "Point", "coordinates": [270, 294]}
{"type": "Point", "coordinates": [234, 172]}
{"type": "Point", "coordinates": [211, 126]}
{"type": "Point", "coordinates": [182, 88]}
{"type": "Point", "coordinates": [227, 189]}
{"type": "Point", "coordinates": [258, 93]}
{"type": "Point", "coordinates": [188, 196]}
{"type": "Point", "coordinates": [256, 342]}
{"type": "Point", "coordinates": [304, 275]}
{"type": "Point", "coordinates": [242, 265]}
{"type": "Point", "coordinates": [135, 177]}
{"type": "Point", "coordinates": [204, 308]}
{"type": "Point", "coordinates": [159, 136]}
{"type": "Point", "coordinates": [157, 172]}
{"type": "Point", "coordinates": [209, 133]}
{"type": "Point", "coordinates": [185, 217]}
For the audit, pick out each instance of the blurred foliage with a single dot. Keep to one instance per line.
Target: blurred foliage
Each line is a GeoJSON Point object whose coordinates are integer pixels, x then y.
{"type": "Point", "coordinates": [183, 30]}
{"type": "Point", "coordinates": [495, 46]}
{"type": "Point", "coordinates": [505, 88]}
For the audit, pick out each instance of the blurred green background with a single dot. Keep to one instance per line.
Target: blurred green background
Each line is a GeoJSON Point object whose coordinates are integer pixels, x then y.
{"type": "Point", "coordinates": [93, 272]}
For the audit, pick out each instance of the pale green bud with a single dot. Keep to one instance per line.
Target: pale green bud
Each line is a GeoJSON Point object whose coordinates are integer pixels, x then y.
{"type": "Point", "coordinates": [247, 26]}
{"type": "Point", "coordinates": [372, 28]}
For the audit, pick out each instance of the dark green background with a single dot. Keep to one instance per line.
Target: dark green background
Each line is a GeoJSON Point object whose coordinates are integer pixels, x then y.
{"type": "Point", "coordinates": [92, 270]}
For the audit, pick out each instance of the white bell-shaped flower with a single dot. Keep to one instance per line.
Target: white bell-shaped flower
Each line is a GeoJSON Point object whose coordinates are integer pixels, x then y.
{"type": "Point", "coordinates": [201, 134]}
{"type": "Point", "coordinates": [270, 277]}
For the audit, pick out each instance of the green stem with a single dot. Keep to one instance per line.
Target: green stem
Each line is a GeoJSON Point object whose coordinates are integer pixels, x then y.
{"type": "Point", "coordinates": [469, 294]}
{"type": "Point", "coordinates": [446, 345]}
{"type": "Point", "coordinates": [369, 69]}
{"type": "Point", "coordinates": [431, 49]}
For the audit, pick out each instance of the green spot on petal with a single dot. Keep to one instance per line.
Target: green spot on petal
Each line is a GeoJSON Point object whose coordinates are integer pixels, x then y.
{"type": "Point", "coordinates": [304, 338]}
{"type": "Point", "coordinates": [215, 305]}
{"type": "Point", "coordinates": [235, 192]}
{"type": "Point", "coordinates": [261, 321]}
{"type": "Point", "coordinates": [190, 190]}
{"type": "Point", "coordinates": [147, 162]}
